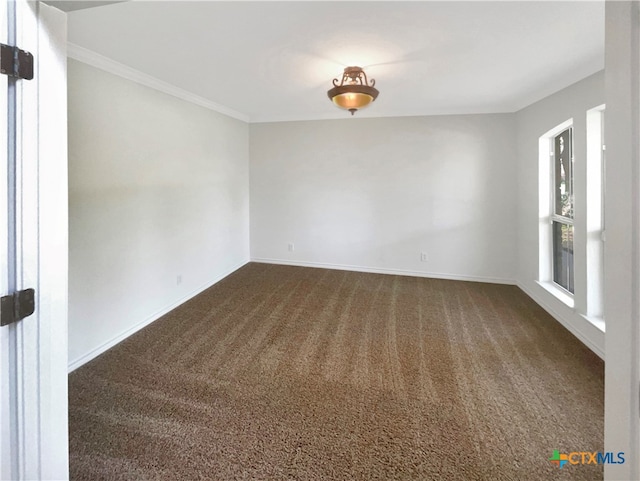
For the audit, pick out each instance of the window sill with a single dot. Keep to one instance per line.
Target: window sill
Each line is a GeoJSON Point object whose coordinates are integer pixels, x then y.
{"type": "Point", "coordinates": [558, 293]}
{"type": "Point", "coordinates": [598, 322]}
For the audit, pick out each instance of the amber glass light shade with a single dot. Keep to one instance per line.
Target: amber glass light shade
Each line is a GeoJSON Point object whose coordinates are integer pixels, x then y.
{"type": "Point", "coordinates": [352, 100]}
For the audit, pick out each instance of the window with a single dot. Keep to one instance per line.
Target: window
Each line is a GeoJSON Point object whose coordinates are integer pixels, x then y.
{"type": "Point", "coordinates": [562, 214]}
{"type": "Point", "coordinates": [571, 247]}
{"type": "Point", "coordinates": [595, 214]}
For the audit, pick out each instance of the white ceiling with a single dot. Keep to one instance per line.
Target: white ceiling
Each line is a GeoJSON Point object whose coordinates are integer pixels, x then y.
{"type": "Point", "coordinates": [71, 5]}
{"type": "Point", "coordinates": [273, 61]}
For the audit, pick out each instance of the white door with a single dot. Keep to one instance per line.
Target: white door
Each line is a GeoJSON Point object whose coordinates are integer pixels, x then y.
{"type": "Point", "coordinates": [33, 246]}
{"type": "Point", "coordinates": [7, 431]}
{"type": "Point", "coordinates": [622, 246]}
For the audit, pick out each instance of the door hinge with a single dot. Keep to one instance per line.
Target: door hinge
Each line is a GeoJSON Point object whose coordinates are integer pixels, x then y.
{"type": "Point", "coordinates": [15, 307]}
{"type": "Point", "coordinates": [15, 62]}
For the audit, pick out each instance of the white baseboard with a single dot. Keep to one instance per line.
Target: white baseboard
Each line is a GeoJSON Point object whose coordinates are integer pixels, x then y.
{"type": "Point", "coordinates": [572, 326]}
{"type": "Point", "coordinates": [380, 270]}
{"type": "Point", "coordinates": [76, 363]}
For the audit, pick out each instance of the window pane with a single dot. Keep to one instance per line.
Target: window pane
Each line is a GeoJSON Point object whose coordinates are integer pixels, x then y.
{"type": "Point", "coordinates": [563, 166]}
{"type": "Point", "coordinates": [563, 255]}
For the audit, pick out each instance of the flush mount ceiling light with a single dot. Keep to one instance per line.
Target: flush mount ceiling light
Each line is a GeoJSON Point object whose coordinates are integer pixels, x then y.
{"type": "Point", "coordinates": [354, 91]}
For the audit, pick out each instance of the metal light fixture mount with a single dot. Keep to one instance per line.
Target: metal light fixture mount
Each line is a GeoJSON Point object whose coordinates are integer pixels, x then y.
{"type": "Point", "coordinates": [354, 91]}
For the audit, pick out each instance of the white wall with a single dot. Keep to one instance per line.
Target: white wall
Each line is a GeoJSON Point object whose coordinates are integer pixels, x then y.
{"type": "Point", "coordinates": [533, 122]}
{"type": "Point", "coordinates": [372, 194]}
{"type": "Point", "coordinates": [158, 188]}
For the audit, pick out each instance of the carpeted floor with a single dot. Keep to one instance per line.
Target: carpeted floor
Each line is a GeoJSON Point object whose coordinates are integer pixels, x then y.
{"type": "Point", "coordinates": [290, 373]}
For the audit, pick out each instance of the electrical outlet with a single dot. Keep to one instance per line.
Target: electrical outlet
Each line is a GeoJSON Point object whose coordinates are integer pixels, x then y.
{"type": "Point", "coordinates": [424, 257]}
{"type": "Point", "coordinates": [291, 247]}
{"type": "Point", "coordinates": [179, 280]}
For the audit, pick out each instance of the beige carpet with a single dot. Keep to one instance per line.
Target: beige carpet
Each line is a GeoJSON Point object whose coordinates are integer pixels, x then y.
{"type": "Point", "coordinates": [291, 373]}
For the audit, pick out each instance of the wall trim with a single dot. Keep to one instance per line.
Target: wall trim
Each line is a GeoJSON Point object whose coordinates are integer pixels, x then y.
{"type": "Point", "coordinates": [76, 363]}
{"type": "Point", "coordinates": [571, 326]}
{"type": "Point", "coordinates": [382, 270]}
{"type": "Point", "coordinates": [97, 60]}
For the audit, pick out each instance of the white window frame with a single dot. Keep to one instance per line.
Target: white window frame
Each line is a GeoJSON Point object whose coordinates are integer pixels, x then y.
{"type": "Point", "coordinates": [546, 213]}
{"type": "Point", "coordinates": [553, 216]}
{"type": "Point", "coordinates": [595, 216]}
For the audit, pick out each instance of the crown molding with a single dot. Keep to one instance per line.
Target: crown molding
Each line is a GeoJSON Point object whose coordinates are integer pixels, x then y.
{"type": "Point", "coordinates": [94, 59]}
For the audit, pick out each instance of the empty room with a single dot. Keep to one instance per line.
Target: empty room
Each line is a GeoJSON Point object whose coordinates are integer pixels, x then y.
{"type": "Point", "coordinates": [329, 241]}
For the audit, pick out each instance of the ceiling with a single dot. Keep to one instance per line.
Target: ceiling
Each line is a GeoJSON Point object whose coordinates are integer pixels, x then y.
{"type": "Point", "coordinates": [71, 5]}
{"type": "Point", "coordinates": [274, 61]}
